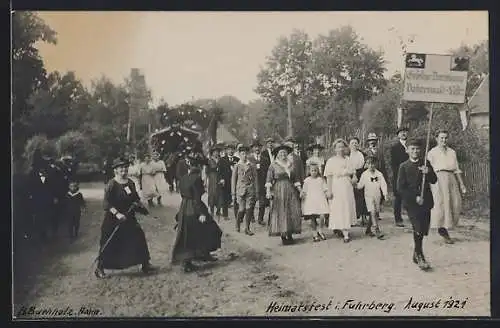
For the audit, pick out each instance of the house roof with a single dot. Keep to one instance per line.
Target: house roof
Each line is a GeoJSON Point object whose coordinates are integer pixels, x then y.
{"type": "Point", "coordinates": [480, 100]}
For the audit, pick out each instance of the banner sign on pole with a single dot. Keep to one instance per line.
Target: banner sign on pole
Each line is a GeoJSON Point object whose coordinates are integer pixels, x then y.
{"type": "Point", "coordinates": [435, 78]}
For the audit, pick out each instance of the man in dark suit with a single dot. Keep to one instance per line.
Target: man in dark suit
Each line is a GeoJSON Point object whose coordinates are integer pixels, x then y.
{"type": "Point", "coordinates": [299, 159]}
{"type": "Point", "coordinates": [398, 155]}
{"type": "Point", "coordinates": [417, 204]}
{"type": "Point", "coordinates": [232, 160]}
{"type": "Point", "coordinates": [267, 152]}
{"type": "Point", "coordinates": [262, 163]}
{"type": "Point", "coordinates": [43, 194]}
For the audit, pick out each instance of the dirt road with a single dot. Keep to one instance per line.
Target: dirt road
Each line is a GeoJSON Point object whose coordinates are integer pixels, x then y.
{"type": "Point", "coordinates": [256, 273]}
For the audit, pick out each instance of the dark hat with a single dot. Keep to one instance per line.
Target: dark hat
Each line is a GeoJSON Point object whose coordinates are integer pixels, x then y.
{"type": "Point", "coordinates": [315, 146]}
{"type": "Point", "coordinates": [119, 162]}
{"type": "Point", "coordinates": [256, 143]}
{"type": "Point", "coordinates": [243, 148]}
{"type": "Point", "coordinates": [402, 128]}
{"type": "Point", "coordinates": [281, 147]}
{"type": "Point", "coordinates": [415, 142]}
{"type": "Point", "coordinates": [214, 149]}
{"type": "Point", "coordinates": [195, 158]}
{"type": "Point", "coordinates": [269, 140]}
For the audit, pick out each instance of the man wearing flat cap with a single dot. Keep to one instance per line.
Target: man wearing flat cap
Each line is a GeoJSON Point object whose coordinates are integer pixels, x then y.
{"type": "Point", "coordinates": [374, 149]}
{"type": "Point", "coordinates": [245, 190]}
{"type": "Point", "coordinates": [417, 198]}
{"type": "Point", "coordinates": [398, 154]}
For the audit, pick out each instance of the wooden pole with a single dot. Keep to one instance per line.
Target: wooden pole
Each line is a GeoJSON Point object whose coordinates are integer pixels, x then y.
{"type": "Point", "coordinates": [289, 107]}
{"type": "Point", "coordinates": [427, 147]}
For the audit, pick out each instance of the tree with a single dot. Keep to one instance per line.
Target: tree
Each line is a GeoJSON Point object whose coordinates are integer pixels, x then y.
{"type": "Point", "coordinates": [28, 71]}
{"type": "Point", "coordinates": [347, 68]}
{"type": "Point", "coordinates": [59, 107]}
{"type": "Point", "coordinates": [479, 63]}
{"type": "Point", "coordinates": [333, 71]}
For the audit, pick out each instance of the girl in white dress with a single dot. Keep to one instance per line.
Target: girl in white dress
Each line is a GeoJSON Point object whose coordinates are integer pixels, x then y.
{"type": "Point", "coordinates": [134, 173]}
{"type": "Point", "coordinates": [160, 169]}
{"type": "Point", "coordinates": [314, 201]}
{"type": "Point", "coordinates": [340, 179]}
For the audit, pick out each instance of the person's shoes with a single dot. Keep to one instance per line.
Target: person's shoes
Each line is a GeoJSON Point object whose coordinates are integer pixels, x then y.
{"type": "Point", "coordinates": [321, 235]}
{"type": "Point", "coordinates": [148, 268]}
{"type": "Point", "coordinates": [208, 258]}
{"type": "Point", "coordinates": [421, 262]}
{"type": "Point", "coordinates": [379, 234]}
{"type": "Point", "coordinates": [261, 222]}
{"type": "Point", "coordinates": [400, 224]}
{"type": "Point", "coordinates": [248, 232]}
{"type": "Point", "coordinates": [99, 273]}
{"type": "Point", "coordinates": [448, 240]}
{"type": "Point", "coordinates": [369, 232]}
{"type": "Point", "coordinates": [189, 267]}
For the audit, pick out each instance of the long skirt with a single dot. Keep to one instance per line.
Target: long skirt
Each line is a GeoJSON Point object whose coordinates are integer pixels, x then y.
{"type": "Point", "coordinates": [161, 185]}
{"type": "Point", "coordinates": [214, 191]}
{"type": "Point", "coordinates": [128, 246]}
{"type": "Point", "coordinates": [343, 205]}
{"type": "Point", "coordinates": [447, 201]}
{"type": "Point", "coordinates": [148, 187]}
{"type": "Point", "coordinates": [193, 237]}
{"type": "Point", "coordinates": [359, 198]}
{"type": "Point", "coordinates": [285, 214]}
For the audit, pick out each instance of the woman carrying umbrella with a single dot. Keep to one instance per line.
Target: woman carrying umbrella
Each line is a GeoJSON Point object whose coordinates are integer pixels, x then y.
{"type": "Point", "coordinates": [123, 243]}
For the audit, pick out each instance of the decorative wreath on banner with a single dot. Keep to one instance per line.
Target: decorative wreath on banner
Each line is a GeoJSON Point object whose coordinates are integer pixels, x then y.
{"type": "Point", "coordinates": [183, 127]}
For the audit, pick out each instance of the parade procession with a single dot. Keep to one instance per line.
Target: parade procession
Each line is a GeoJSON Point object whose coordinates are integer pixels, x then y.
{"type": "Point", "coordinates": [370, 193]}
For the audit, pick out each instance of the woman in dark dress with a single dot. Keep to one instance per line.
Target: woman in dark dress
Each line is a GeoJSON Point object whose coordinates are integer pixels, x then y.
{"type": "Point", "coordinates": [197, 232]}
{"type": "Point", "coordinates": [128, 246]}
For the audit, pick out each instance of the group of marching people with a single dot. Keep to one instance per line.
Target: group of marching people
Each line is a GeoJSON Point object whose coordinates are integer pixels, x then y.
{"type": "Point", "coordinates": [344, 191]}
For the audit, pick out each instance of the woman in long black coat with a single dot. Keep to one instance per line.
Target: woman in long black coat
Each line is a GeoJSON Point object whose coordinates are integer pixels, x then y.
{"type": "Point", "coordinates": [128, 246]}
{"type": "Point", "coordinates": [197, 232]}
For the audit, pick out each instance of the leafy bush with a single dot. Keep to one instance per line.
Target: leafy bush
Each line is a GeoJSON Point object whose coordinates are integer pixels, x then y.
{"type": "Point", "coordinates": [73, 143]}
{"type": "Point", "coordinates": [40, 143]}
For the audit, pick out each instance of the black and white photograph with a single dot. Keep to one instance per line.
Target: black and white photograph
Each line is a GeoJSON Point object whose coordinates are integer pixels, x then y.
{"type": "Point", "coordinates": [250, 164]}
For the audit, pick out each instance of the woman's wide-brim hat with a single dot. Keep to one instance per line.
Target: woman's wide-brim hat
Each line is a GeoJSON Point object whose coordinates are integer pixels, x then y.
{"type": "Point", "coordinates": [120, 162]}
{"type": "Point", "coordinates": [315, 146]}
{"type": "Point", "coordinates": [268, 140]}
{"type": "Point", "coordinates": [282, 147]}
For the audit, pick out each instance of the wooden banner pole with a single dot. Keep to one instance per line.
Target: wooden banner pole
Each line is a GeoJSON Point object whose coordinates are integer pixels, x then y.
{"type": "Point", "coordinates": [427, 140]}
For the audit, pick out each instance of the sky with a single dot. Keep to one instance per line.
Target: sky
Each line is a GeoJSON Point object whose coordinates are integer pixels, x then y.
{"type": "Point", "coordinates": [186, 55]}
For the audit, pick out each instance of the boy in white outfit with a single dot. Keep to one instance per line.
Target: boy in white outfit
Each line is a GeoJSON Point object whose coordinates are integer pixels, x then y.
{"type": "Point", "coordinates": [372, 180]}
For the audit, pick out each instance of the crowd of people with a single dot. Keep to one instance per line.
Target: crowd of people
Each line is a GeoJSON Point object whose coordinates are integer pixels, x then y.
{"type": "Point", "coordinates": [292, 185]}
{"type": "Point", "coordinates": [344, 191]}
